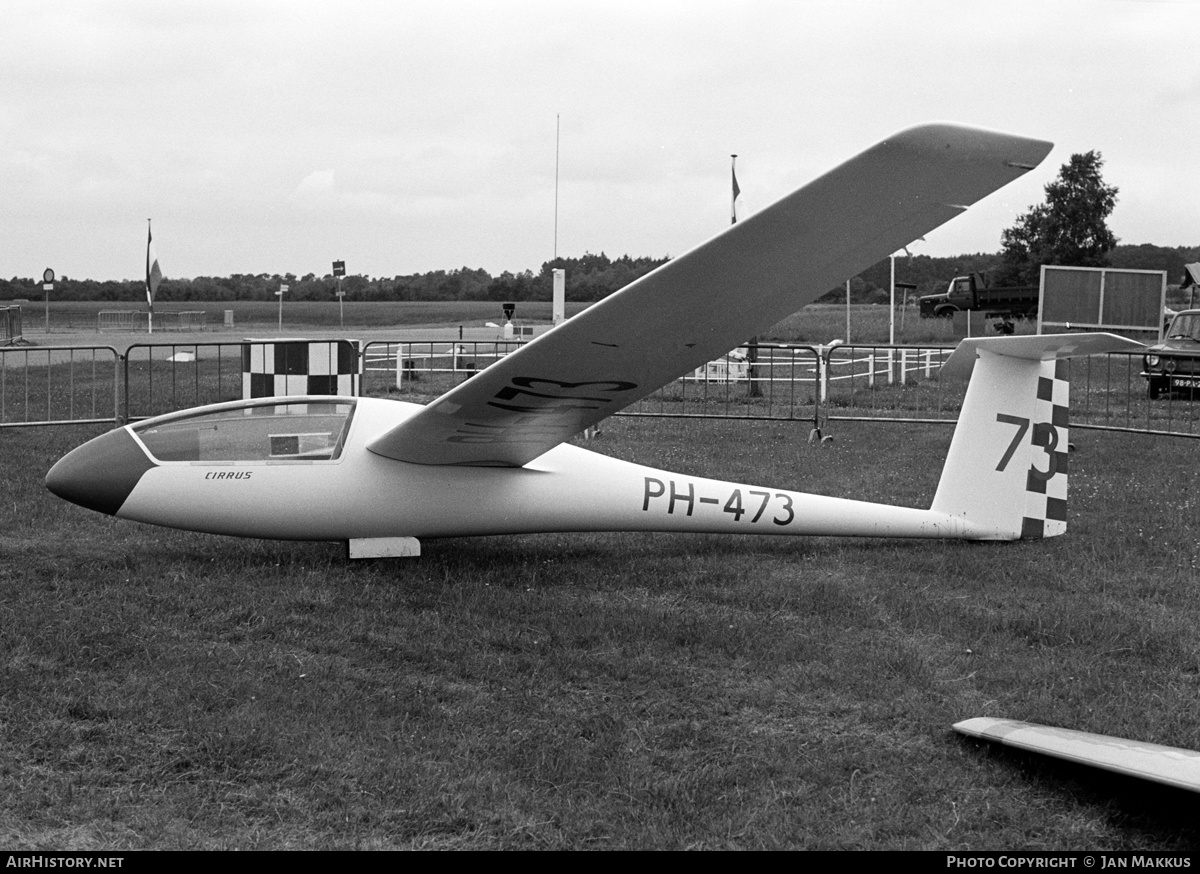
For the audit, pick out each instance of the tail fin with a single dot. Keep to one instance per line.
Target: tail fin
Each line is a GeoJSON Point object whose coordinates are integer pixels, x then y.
{"type": "Point", "coordinates": [1006, 472]}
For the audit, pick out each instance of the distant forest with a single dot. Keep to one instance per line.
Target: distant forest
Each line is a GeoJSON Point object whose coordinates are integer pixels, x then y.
{"type": "Point", "coordinates": [589, 278]}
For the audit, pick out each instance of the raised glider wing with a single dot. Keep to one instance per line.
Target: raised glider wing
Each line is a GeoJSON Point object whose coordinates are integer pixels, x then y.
{"type": "Point", "coordinates": [489, 457]}
{"type": "Point", "coordinates": [1171, 766]}
{"type": "Point", "coordinates": [707, 301]}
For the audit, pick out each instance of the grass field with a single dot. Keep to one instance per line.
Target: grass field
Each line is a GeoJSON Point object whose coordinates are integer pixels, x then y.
{"type": "Point", "coordinates": [172, 690]}
{"type": "Point", "coordinates": [817, 323]}
{"type": "Point", "coordinates": [67, 316]}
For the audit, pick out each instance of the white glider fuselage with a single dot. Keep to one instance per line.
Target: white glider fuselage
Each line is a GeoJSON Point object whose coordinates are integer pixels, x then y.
{"type": "Point", "coordinates": [364, 495]}
{"type": "Point", "coordinates": [490, 456]}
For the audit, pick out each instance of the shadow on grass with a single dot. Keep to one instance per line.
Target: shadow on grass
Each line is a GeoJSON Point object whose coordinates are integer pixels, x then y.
{"type": "Point", "coordinates": [1142, 810]}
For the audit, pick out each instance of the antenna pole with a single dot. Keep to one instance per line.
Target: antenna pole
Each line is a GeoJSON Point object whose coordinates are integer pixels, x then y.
{"type": "Point", "coordinates": [557, 129]}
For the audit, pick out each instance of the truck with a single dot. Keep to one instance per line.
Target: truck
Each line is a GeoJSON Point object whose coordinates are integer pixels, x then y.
{"type": "Point", "coordinates": [972, 292]}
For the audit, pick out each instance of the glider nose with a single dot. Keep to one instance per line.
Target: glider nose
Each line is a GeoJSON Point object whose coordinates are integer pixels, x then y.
{"type": "Point", "coordinates": [101, 473]}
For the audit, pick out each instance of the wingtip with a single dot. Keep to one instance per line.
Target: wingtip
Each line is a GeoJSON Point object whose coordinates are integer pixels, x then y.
{"type": "Point", "coordinates": [1014, 150]}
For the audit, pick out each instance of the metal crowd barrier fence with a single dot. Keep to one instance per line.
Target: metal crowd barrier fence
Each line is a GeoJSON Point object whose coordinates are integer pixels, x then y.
{"type": "Point", "coordinates": [163, 377]}
{"type": "Point", "coordinates": [892, 383]}
{"type": "Point", "coordinates": [817, 385]}
{"type": "Point", "coordinates": [10, 325]}
{"type": "Point", "coordinates": [901, 384]}
{"type": "Point", "coordinates": [782, 382]}
{"type": "Point", "coordinates": [47, 385]}
{"type": "Point", "coordinates": [1108, 393]}
{"type": "Point", "coordinates": [139, 320]}
{"type": "Point", "coordinates": [773, 381]}
{"type": "Point", "coordinates": [185, 320]}
{"type": "Point", "coordinates": [427, 367]}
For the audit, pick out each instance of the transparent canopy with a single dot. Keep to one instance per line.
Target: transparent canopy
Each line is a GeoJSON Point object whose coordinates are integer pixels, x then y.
{"type": "Point", "coordinates": [253, 431]}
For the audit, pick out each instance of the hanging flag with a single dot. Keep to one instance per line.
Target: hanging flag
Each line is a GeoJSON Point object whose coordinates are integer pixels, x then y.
{"type": "Point", "coordinates": [736, 191]}
{"type": "Point", "coordinates": [153, 271]}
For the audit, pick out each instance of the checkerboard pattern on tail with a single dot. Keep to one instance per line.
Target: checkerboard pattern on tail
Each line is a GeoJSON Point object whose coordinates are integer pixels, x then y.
{"type": "Point", "coordinates": [1046, 482]}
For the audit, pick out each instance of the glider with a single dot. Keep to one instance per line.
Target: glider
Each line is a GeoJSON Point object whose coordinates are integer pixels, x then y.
{"type": "Point", "coordinates": [1170, 766]}
{"type": "Point", "coordinates": [490, 457]}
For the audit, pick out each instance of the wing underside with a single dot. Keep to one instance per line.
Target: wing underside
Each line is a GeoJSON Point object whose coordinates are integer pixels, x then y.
{"type": "Point", "coordinates": [701, 304]}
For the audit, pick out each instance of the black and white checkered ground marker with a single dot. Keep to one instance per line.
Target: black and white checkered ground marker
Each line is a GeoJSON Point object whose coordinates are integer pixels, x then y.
{"type": "Point", "coordinates": [289, 368]}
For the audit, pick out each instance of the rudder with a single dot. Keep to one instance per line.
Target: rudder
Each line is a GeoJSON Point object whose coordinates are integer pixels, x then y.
{"type": "Point", "coordinates": [1006, 472]}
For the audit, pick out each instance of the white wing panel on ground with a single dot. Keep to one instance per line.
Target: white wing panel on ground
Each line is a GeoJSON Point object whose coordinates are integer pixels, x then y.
{"type": "Point", "coordinates": [705, 302]}
{"type": "Point", "coordinates": [1171, 766]}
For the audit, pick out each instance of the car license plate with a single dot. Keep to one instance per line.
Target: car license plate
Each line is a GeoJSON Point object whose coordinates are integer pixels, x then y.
{"type": "Point", "coordinates": [1185, 382]}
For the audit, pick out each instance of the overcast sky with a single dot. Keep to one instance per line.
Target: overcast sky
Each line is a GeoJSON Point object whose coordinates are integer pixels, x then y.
{"type": "Point", "coordinates": [412, 136]}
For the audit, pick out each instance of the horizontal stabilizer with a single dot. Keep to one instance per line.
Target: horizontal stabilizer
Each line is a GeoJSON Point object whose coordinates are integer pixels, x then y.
{"type": "Point", "coordinates": [1034, 347]}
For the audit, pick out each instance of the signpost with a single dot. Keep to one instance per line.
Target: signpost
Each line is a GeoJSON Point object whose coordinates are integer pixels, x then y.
{"type": "Point", "coordinates": [892, 296]}
{"type": "Point", "coordinates": [282, 289]}
{"type": "Point", "coordinates": [339, 270]}
{"type": "Point", "coordinates": [559, 305]}
{"type": "Point", "coordinates": [847, 310]}
{"type": "Point", "coordinates": [906, 287]}
{"type": "Point", "coordinates": [48, 286]}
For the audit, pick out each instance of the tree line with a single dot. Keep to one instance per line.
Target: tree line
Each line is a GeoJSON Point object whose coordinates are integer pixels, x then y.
{"type": "Point", "coordinates": [589, 278]}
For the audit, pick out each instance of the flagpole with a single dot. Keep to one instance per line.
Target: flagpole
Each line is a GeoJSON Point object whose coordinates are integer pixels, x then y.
{"type": "Point", "coordinates": [149, 290]}
{"type": "Point", "coordinates": [153, 276]}
{"type": "Point", "coordinates": [754, 389]}
{"type": "Point", "coordinates": [557, 140]}
{"type": "Point", "coordinates": [736, 190]}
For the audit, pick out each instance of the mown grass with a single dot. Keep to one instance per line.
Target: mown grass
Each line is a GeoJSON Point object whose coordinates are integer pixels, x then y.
{"type": "Point", "coordinates": [172, 690]}
{"type": "Point", "coordinates": [83, 315]}
{"type": "Point", "coordinates": [816, 323]}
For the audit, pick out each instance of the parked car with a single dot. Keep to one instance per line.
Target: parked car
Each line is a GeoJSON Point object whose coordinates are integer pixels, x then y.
{"type": "Point", "coordinates": [1174, 364]}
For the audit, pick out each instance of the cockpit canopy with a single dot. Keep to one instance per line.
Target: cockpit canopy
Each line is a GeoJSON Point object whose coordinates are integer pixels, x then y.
{"type": "Point", "coordinates": [282, 430]}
